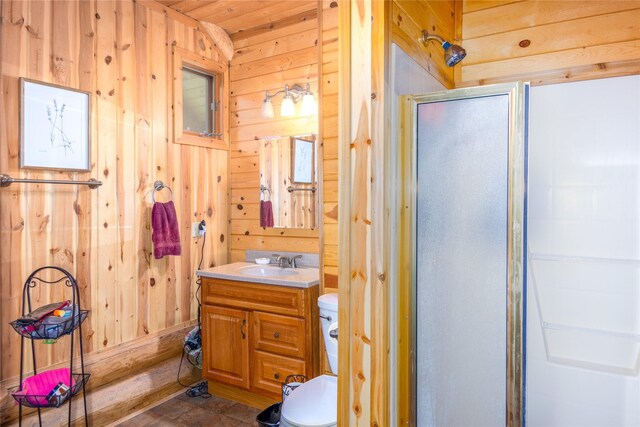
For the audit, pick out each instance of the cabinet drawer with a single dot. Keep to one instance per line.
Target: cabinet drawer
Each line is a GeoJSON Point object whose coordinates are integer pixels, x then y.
{"type": "Point", "coordinates": [282, 335]}
{"type": "Point", "coordinates": [270, 370]}
{"type": "Point", "coordinates": [253, 296]}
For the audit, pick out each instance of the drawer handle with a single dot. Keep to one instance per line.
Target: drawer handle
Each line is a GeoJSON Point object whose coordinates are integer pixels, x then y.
{"type": "Point", "coordinates": [244, 322]}
{"type": "Point", "coordinates": [276, 334]}
{"type": "Point", "coordinates": [276, 376]}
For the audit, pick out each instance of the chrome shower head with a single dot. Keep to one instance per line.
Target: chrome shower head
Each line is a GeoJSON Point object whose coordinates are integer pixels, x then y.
{"type": "Point", "coordinates": [452, 52]}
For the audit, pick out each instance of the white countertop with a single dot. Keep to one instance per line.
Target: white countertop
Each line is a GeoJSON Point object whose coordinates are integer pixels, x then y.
{"type": "Point", "coordinates": [305, 277]}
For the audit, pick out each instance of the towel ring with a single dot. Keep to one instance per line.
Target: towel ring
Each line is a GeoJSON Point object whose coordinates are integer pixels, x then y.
{"type": "Point", "coordinates": [264, 190]}
{"type": "Point", "coordinates": [157, 186]}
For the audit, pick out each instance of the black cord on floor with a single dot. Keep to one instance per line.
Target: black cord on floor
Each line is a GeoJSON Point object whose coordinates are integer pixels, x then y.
{"type": "Point", "coordinates": [199, 280]}
{"type": "Point", "coordinates": [200, 389]}
{"type": "Point", "coordinates": [179, 368]}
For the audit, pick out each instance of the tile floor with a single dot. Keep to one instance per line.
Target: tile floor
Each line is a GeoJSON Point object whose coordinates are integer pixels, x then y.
{"type": "Point", "coordinates": [196, 411]}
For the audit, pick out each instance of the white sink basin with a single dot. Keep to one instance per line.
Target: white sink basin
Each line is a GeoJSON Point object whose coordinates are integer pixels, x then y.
{"type": "Point", "coordinates": [304, 277]}
{"type": "Point", "coordinates": [267, 271]}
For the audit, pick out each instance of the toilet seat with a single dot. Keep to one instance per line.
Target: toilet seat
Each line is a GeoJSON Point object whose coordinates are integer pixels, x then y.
{"type": "Point", "coordinates": [313, 404]}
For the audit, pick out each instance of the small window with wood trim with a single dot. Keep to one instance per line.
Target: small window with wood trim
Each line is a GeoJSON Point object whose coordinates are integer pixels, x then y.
{"type": "Point", "coordinates": [198, 109]}
{"type": "Point", "coordinates": [199, 103]}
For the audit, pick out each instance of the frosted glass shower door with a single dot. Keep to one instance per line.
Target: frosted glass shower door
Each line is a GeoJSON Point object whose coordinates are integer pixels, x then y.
{"type": "Point", "coordinates": [469, 204]}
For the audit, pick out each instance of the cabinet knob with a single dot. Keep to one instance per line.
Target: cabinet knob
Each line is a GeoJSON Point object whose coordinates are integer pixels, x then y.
{"type": "Point", "coordinates": [276, 376]}
{"type": "Point", "coordinates": [276, 334]}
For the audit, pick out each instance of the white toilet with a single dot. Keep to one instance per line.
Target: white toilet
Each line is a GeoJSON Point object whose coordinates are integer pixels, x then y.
{"type": "Point", "coordinates": [314, 403]}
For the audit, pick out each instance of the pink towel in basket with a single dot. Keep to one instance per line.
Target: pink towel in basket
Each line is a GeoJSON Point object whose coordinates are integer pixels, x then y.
{"type": "Point", "coordinates": [36, 388]}
{"type": "Point", "coordinates": [165, 236]}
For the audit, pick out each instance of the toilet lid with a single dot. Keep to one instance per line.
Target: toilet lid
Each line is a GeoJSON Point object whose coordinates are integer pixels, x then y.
{"type": "Point", "coordinates": [313, 404]}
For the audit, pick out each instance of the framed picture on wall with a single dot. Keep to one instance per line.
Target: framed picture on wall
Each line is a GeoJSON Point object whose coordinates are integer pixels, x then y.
{"type": "Point", "coordinates": [54, 127]}
{"type": "Point", "coordinates": [302, 160]}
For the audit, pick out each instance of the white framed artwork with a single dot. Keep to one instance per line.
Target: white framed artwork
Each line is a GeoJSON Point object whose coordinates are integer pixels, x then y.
{"type": "Point", "coordinates": [54, 127]}
{"type": "Point", "coordinates": [302, 161]}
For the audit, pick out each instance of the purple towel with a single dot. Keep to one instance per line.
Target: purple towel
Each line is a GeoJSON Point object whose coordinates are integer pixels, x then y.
{"type": "Point", "coordinates": [266, 213]}
{"type": "Point", "coordinates": [165, 236]}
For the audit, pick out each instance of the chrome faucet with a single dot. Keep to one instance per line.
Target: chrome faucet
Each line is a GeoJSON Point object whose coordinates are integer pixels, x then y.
{"type": "Point", "coordinates": [282, 261]}
{"type": "Point", "coordinates": [293, 261]}
{"type": "Point", "coordinates": [285, 262]}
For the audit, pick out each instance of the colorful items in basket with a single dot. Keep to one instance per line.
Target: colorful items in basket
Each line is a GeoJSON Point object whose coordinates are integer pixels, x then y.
{"type": "Point", "coordinates": [28, 323]}
{"type": "Point", "coordinates": [62, 313]}
{"type": "Point", "coordinates": [48, 388]}
{"type": "Point", "coordinates": [58, 393]}
{"type": "Point", "coordinates": [49, 322]}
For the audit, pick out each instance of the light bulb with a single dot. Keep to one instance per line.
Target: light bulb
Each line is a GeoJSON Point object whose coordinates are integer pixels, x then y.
{"type": "Point", "coordinates": [267, 109]}
{"type": "Point", "coordinates": [286, 108]}
{"type": "Point", "coordinates": [309, 106]}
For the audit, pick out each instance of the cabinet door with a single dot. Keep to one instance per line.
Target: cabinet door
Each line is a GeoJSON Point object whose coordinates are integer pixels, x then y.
{"type": "Point", "coordinates": [225, 343]}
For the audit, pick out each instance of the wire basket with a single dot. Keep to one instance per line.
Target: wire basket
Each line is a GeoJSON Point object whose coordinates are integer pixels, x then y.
{"type": "Point", "coordinates": [50, 327]}
{"type": "Point", "coordinates": [51, 400]}
{"type": "Point", "coordinates": [291, 383]}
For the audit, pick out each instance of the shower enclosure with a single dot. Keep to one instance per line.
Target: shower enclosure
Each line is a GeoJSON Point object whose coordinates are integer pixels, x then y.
{"type": "Point", "coordinates": [463, 223]}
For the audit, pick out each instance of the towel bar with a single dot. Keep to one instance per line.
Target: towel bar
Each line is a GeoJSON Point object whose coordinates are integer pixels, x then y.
{"type": "Point", "coordinates": [6, 180]}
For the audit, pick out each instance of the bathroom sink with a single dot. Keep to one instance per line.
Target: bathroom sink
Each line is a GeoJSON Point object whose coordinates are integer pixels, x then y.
{"type": "Point", "coordinates": [268, 274]}
{"type": "Point", "coordinates": [267, 271]}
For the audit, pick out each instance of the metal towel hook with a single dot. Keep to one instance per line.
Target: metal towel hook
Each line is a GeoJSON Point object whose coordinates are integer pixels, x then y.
{"type": "Point", "coordinates": [157, 186]}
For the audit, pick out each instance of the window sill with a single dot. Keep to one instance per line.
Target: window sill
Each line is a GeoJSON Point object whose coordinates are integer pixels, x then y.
{"type": "Point", "coordinates": [201, 141]}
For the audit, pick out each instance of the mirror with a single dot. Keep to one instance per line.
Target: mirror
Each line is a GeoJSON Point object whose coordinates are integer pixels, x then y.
{"type": "Point", "coordinates": [288, 182]}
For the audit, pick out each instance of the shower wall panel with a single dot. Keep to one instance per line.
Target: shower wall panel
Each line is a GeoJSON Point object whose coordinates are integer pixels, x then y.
{"type": "Point", "coordinates": [583, 328]}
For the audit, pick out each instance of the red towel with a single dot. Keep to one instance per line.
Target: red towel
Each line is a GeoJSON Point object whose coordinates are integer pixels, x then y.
{"type": "Point", "coordinates": [165, 236]}
{"type": "Point", "coordinates": [266, 213]}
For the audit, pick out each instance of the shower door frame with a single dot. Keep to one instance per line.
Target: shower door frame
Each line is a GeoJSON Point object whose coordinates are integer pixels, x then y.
{"type": "Point", "coordinates": [516, 261]}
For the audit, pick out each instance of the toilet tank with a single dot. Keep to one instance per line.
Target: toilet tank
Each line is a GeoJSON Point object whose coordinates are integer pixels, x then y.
{"type": "Point", "coordinates": [328, 304]}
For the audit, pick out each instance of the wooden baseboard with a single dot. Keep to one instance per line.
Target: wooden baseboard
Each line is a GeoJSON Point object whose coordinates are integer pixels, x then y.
{"type": "Point", "coordinates": [123, 380]}
{"type": "Point", "coordinates": [146, 408]}
{"type": "Point", "coordinates": [242, 396]}
{"type": "Point", "coordinates": [142, 391]}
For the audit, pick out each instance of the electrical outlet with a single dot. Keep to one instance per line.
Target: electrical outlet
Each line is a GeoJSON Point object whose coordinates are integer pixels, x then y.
{"type": "Point", "coordinates": [195, 232]}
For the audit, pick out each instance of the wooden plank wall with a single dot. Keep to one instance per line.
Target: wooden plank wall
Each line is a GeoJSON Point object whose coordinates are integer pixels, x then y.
{"type": "Point", "coordinates": [364, 182]}
{"type": "Point", "coordinates": [410, 17]}
{"type": "Point", "coordinates": [120, 51]}
{"type": "Point", "coordinates": [265, 59]}
{"type": "Point", "coordinates": [329, 121]}
{"type": "Point", "coordinates": [548, 41]}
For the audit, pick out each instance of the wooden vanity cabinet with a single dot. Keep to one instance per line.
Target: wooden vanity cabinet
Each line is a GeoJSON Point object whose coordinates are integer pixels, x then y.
{"type": "Point", "coordinates": [254, 335]}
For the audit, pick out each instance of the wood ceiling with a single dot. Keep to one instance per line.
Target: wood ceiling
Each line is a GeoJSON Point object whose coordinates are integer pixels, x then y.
{"type": "Point", "coordinates": [240, 15]}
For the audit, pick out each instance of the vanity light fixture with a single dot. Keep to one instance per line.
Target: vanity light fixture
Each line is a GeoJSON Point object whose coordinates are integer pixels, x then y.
{"type": "Point", "coordinates": [292, 95]}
